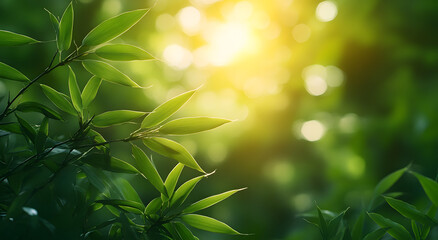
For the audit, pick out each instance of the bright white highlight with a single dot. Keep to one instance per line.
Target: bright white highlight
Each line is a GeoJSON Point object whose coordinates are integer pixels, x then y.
{"type": "Point", "coordinates": [312, 130]}
{"type": "Point", "coordinates": [190, 20]}
{"type": "Point", "coordinates": [315, 85]}
{"type": "Point", "coordinates": [177, 56]}
{"type": "Point", "coordinates": [326, 11]}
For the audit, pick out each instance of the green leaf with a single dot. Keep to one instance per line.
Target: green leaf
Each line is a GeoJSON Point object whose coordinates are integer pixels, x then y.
{"type": "Point", "coordinates": [430, 187]}
{"type": "Point", "coordinates": [115, 117]}
{"type": "Point", "coordinates": [8, 72]}
{"type": "Point", "coordinates": [98, 138]}
{"type": "Point", "coordinates": [335, 223]}
{"type": "Point", "coordinates": [38, 107]}
{"type": "Point", "coordinates": [385, 184]}
{"type": "Point", "coordinates": [395, 229]}
{"type": "Point", "coordinates": [153, 206]}
{"type": "Point", "coordinates": [172, 180]}
{"type": "Point", "coordinates": [14, 39]}
{"type": "Point", "coordinates": [106, 162]}
{"type": "Point", "coordinates": [127, 191]}
{"type": "Point", "coordinates": [148, 170]}
{"type": "Point", "coordinates": [66, 29]}
{"type": "Point", "coordinates": [376, 235]}
{"type": "Point", "coordinates": [75, 93]}
{"type": "Point", "coordinates": [26, 128]}
{"type": "Point", "coordinates": [123, 203]}
{"type": "Point", "coordinates": [179, 231]}
{"type": "Point", "coordinates": [358, 227]}
{"type": "Point", "coordinates": [322, 223]}
{"type": "Point", "coordinates": [11, 127]}
{"type": "Point", "coordinates": [54, 21]}
{"type": "Point", "coordinates": [208, 224]}
{"type": "Point", "coordinates": [415, 230]}
{"type": "Point", "coordinates": [108, 73]}
{"type": "Point", "coordinates": [16, 206]}
{"type": "Point", "coordinates": [122, 52]}
{"type": "Point", "coordinates": [113, 27]}
{"type": "Point", "coordinates": [59, 99]}
{"type": "Point", "coordinates": [90, 91]}
{"type": "Point", "coordinates": [41, 136]}
{"type": "Point", "coordinates": [209, 201]}
{"type": "Point", "coordinates": [183, 191]}
{"type": "Point", "coordinates": [409, 211]}
{"type": "Point", "coordinates": [191, 125]}
{"type": "Point", "coordinates": [165, 110]}
{"type": "Point", "coordinates": [171, 149]}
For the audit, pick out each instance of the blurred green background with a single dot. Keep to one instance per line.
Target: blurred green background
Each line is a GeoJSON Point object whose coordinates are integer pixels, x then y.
{"type": "Point", "coordinates": [328, 96]}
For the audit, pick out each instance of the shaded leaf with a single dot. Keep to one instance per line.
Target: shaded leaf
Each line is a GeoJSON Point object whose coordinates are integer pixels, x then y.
{"type": "Point", "coordinates": [191, 125]}
{"type": "Point", "coordinates": [124, 203]}
{"type": "Point", "coordinates": [209, 201]}
{"type": "Point", "coordinates": [148, 170]}
{"type": "Point", "coordinates": [14, 39]}
{"type": "Point", "coordinates": [334, 224]}
{"type": "Point", "coordinates": [41, 136]}
{"type": "Point", "coordinates": [106, 162]}
{"type": "Point", "coordinates": [122, 52]}
{"type": "Point", "coordinates": [385, 184]}
{"type": "Point", "coordinates": [54, 21]}
{"type": "Point", "coordinates": [172, 180]}
{"type": "Point", "coordinates": [409, 211]}
{"type": "Point", "coordinates": [183, 191]}
{"type": "Point", "coordinates": [358, 227]}
{"type": "Point", "coordinates": [208, 224]}
{"type": "Point", "coordinates": [430, 187]}
{"type": "Point", "coordinates": [66, 29]}
{"type": "Point", "coordinates": [127, 191]}
{"type": "Point", "coordinates": [115, 117]}
{"type": "Point", "coordinates": [16, 206]}
{"type": "Point", "coordinates": [108, 73]}
{"type": "Point", "coordinates": [38, 107]}
{"type": "Point", "coordinates": [376, 235]}
{"type": "Point", "coordinates": [59, 99]}
{"type": "Point", "coordinates": [8, 72]}
{"type": "Point", "coordinates": [179, 231]}
{"type": "Point", "coordinates": [90, 91]}
{"type": "Point", "coordinates": [395, 229]}
{"type": "Point", "coordinates": [75, 93]}
{"type": "Point", "coordinates": [25, 128]}
{"type": "Point", "coordinates": [11, 127]}
{"type": "Point", "coordinates": [322, 223]}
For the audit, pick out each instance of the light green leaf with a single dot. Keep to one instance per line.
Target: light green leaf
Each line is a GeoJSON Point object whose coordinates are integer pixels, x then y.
{"type": "Point", "coordinates": [106, 162]}
{"type": "Point", "coordinates": [122, 52]}
{"type": "Point", "coordinates": [430, 187]}
{"type": "Point", "coordinates": [385, 184]}
{"type": "Point", "coordinates": [38, 107]}
{"type": "Point", "coordinates": [90, 91]}
{"type": "Point", "coordinates": [153, 206]}
{"type": "Point", "coordinates": [108, 73]}
{"type": "Point", "coordinates": [59, 99]}
{"type": "Point", "coordinates": [66, 29]}
{"type": "Point", "coordinates": [75, 93]}
{"type": "Point", "coordinates": [113, 27]}
{"type": "Point", "coordinates": [395, 229]}
{"type": "Point", "coordinates": [14, 39]}
{"type": "Point", "coordinates": [128, 192]}
{"type": "Point", "coordinates": [191, 125]}
{"type": "Point", "coordinates": [124, 203]}
{"type": "Point", "coordinates": [209, 201]}
{"type": "Point", "coordinates": [183, 191]}
{"type": "Point", "coordinates": [172, 180]}
{"type": "Point", "coordinates": [54, 21]}
{"type": "Point", "coordinates": [165, 110]}
{"type": "Point", "coordinates": [97, 138]}
{"type": "Point", "coordinates": [409, 211]}
{"type": "Point", "coordinates": [376, 235]}
{"type": "Point", "coordinates": [115, 117]}
{"type": "Point", "coordinates": [8, 72]}
{"type": "Point", "coordinates": [208, 224]}
{"type": "Point", "coordinates": [171, 149]}
{"type": "Point", "coordinates": [41, 136]}
{"type": "Point", "coordinates": [148, 170]}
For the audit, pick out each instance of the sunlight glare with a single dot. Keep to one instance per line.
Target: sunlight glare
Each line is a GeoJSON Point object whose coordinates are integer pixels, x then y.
{"type": "Point", "coordinates": [190, 20]}
{"type": "Point", "coordinates": [315, 85]}
{"type": "Point", "coordinates": [301, 33]}
{"type": "Point", "coordinates": [326, 11]}
{"type": "Point", "coordinates": [177, 56]}
{"type": "Point", "coordinates": [312, 130]}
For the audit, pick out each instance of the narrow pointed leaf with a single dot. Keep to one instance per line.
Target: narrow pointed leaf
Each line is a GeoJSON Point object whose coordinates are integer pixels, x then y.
{"type": "Point", "coordinates": [145, 166]}
{"type": "Point", "coordinates": [415, 230]}
{"type": "Point", "coordinates": [125, 203]}
{"type": "Point", "coordinates": [116, 117]}
{"type": "Point", "coordinates": [25, 127]}
{"type": "Point", "coordinates": [90, 91]}
{"type": "Point", "coordinates": [376, 235]}
{"type": "Point", "coordinates": [171, 149]}
{"type": "Point", "coordinates": [59, 99]}
{"type": "Point", "coordinates": [108, 73]}
{"type": "Point", "coordinates": [113, 27]}
{"type": "Point", "coordinates": [153, 206]}
{"type": "Point", "coordinates": [41, 135]}
{"type": "Point", "coordinates": [358, 227]}
{"type": "Point", "coordinates": [54, 21]}
{"type": "Point", "coordinates": [11, 127]}
{"type": "Point", "coordinates": [14, 39]}
{"type": "Point", "coordinates": [122, 52]}
{"type": "Point", "coordinates": [183, 191]}
{"type": "Point", "coordinates": [179, 231]}
{"type": "Point", "coordinates": [208, 224]}
{"type": "Point", "coordinates": [334, 224]}
{"type": "Point", "coordinates": [8, 72]}
{"type": "Point", "coordinates": [210, 201]}
{"type": "Point", "coordinates": [128, 192]}
{"type": "Point", "coordinates": [191, 125]}
{"type": "Point", "coordinates": [66, 29]}
{"type": "Point", "coordinates": [38, 107]}
{"type": "Point", "coordinates": [172, 180]}
{"type": "Point", "coordinates": [430, 187]}
{"type": "Point", "coordinates": [396, 230]}
{"type": "Point", "coordinates": [385, 184]}
{"type": "Point", "coordinates": [75, 93]}
{"type": "Point", "coordinates": [165, 110]}
{"type": "Point", "coordinates": [322, 223]}
{"type": "Point", "coordinates": [105, 162]}
{"type": "Point", "coordinates": [409, 211]}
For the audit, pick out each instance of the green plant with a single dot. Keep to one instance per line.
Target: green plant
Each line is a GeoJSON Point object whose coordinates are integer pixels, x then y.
{"type": "Point", "coordinates": [75, 181]}
{"type": "Point", "coordinates": [334, 226]}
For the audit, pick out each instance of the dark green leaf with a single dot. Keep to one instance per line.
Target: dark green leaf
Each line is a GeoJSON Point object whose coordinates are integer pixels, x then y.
{"type": "Point", "coordinates": [105, 162]}
{"type": "Point", "coordinates": [322, 223]}
{"type": "Point", "coordinates": [376, 235]}
{"type": "Point", "coordinates": [66, 29]}
{"type": "Point", "coordinates": [212, 200]}
{"type": "Point", "coordinates": [395, 229]}
{"type": "Point", "coordinates": [191, 125]}
{"type": "Point", "coordinates": [415, 230]}
{"type": "Point", "coordinates": [123, 203]}
{"type": "Point", "coordinates": [179, 231]}
{"type": "Point", "coordinates": [75, 93]}
{"type": "Point", "coordinates": [14, 39]}
{"type": "Point", "coordinates": [54, 21]}
{"type": "Point", "coordinates": [127, 191]}
{"type": "Point", "coordinates": [122, 52]}
{"type": "Point", "coordinates": [165, 110]}
{"type": "Point", "coordinates": [335, 223]}
{"type": "Point", "coordinates": [385, 184]}
{"type": "Point", "coordinates": [172, 180]}
{"type": "Point", "coordinates": [183, 191]}
{"type": "Point", "coordinates": [108, 73]}
{"type": "Point", "coordinates": [38, 107]}
{"type": "Point", "coordinates": [16, 206]}
{"type": "Point", "coordinates": [430, 187]}
{"type": "Point", "coordinates": [8, 72]}
{"type": "Point", "coordinates": [113, 27]}
{"type": "Point", "coordinates": [90, 91]}
{"type": "Point", "coordinates": [171, 149]}
{"type": "Point", "coordinates": [25, 127]}
{"type": "Point", "coordinates": [409, 211]}
{"type": "Point", "coordinates": [358, 227]}
{"type": "Point", "coordinates": [59, 99]}
{"type": "Point", "coordinates": [41, 136]}
{"type": "Point", "coordinates": [148, 170]}
{"type": "Point", "coordinates": [116, 117]}
{"type": "Point", "coordinates": [208, 224]}
{"type": "Point", "coordinates": [11, 127]}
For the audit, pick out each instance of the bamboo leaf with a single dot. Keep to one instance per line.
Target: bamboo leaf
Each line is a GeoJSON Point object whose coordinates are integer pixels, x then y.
{"type": "Point", "coordinates": [55, 22]}
{"type": "Point", "coordinates": [409, 211]}
{"type": "Point", "coordinates": [376, 235]}
{"type": "Point", "coordinates": [41, 136]}
{"type": "Point", "coordinates": [115, 117]}
{"type": "Point", "coordinates": [75, 93]}
{"type": "Point", "coordinates": [124, 203]}
{"type": "Point", "coordinates": [385, 184]}
{"type": "Point", "coordinates": [191, 125]}
{"type": "Point", "coordinates": [25, 127]}
{"type": "Point", "coordinates": [153, 206]}
{"type": "Point", "coordinates": [38, 107]}
{"type": "Point", "coordinates": [358, 227]}
{"type": "Point", "coordinates": [179, 231]}
{"type": "Point", "coordinates": [108, 73]}
{"type": "Point", "coordinates": [210, 201]}
{"type": "Point", "coordinates": [14, 39]}
{"type": "Point", "coordinates": [122, 52]}
{"type": "Point", "coordinates": [208, 224]}
{"type": "Point", "coordinates": [113, 27]}
{"type": "Point", "coordinates": [66, 29]}
{"type": "Point", "coordinates": [106, 162]}
{"type": "Point", "coordinates": [183, 191]}
{"type": "Point", "coordinates": [59, 99]}
{"type": "Point", "coordinates": [165, 110]}
{"type": "Point", "coordinates": [8, 72]}
{"type": "Point", "coordinates": [90, 91]}
{"type": "Point", "coordinates": [395, 229]}
{"type": "Point", "coordinates": [128, 192]}
{"type": "Point", "coordinates": [148, 170]}
{"type": "Point", "coordinates": [430, 187]}
{"type": "Point", "coordinates": [172, 180]}
{"type": "Point", "coordinates": [322, 223]}
{"type": "Point", "coordinates": [171, 149]}
{"type": "Point", "coordinates": [333, 225]}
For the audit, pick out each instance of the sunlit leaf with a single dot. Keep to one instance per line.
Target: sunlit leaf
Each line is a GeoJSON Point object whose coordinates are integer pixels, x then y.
{"type": "Point", "coordinates": [113, 27]}
{"type": "Point", "coordinates": [209, 201]}
{"type": "Point", "coordinates": [59, 99]}
{"type": "Point", "coordinates": [97, 138]}
{"type": "Point", "coordinates": [171, 149]}
{"type": "Point", "coordinates": [38, 107]}
{"type": "Point", "coordinates": [430, 187]}
{"type": "Point", "coordinates": [41, 136]}
{"type": "Point", "coordinates": [183, 191]}
{"type": "Point", "coordinates": [106, 162]}
{"type": "Point", "coordinates": [172, 180]}
{"type": "Point", "coordinates": [122, 52]}
{"type": "Point", "coordinates": [8, 72]}
{"type": "Point", "coordinates": [395, 229]}
{"type": "Point", "coordinates": [153, 206]}
{"type": "Point", "coordinates": [75, 93]}
{"type": "Point", "coordinates": [66, 29]}
{"type": "Point", "coordinates": [208, 224]}
{"type": "Point", "coordinates": [376, 235]}
{"type": "Point", "coordinates": [90, 91]}
{"type": "Point", "coordinates": [165, 110]}
{"type": "Point", "coordinates": [115, 117]}
{"type": "Point", "coordinates": [145, 166]}
{"type": "Point", "coordinates": [14, 39]}
{"type": "Point", "coordinates": [108, 73]}
{"type": "Point", "coordinates": [190, 125]}
{"type": "Point", "coordinates": [409, 211]}
{"type": "Point", "coordinates": [124, 203]}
